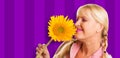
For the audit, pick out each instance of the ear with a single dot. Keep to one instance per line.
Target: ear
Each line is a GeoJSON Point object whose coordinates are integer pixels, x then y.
{"type": "Point", "coordinates": [99, 27]}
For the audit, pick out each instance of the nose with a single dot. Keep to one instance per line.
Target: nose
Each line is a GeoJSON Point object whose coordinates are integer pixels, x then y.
{"type": "Point", "coordinates": [78, 23]}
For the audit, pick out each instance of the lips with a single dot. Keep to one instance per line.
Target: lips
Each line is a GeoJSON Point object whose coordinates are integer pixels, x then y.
{"type": "Point", "coordinates": [78, 30]}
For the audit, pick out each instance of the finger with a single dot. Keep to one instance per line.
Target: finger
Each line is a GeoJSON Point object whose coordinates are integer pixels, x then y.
{"type": "Point", "coordinates": [43, 45]}
{"type": "Point", "coordinates": [38, 56]}
{"type": "Point", "coordinates": [40, 51]}
{"type": "Point", "coordinates": [37, 53]}
{"type": "Point", "coordinates": [37, 48]}
{"type": "Point", "coordinates": [45, 50]}
{"type": "Point", "coordinates": [42, 48]}
{"type": "Point", "coordinates": [39, 45]}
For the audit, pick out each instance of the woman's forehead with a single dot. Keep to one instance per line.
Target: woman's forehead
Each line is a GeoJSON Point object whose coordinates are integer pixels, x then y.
{"type": "Point", "coordinates": [83, 13]}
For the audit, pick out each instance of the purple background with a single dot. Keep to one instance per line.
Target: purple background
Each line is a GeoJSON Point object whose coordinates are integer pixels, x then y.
{"type": "Point", "coordinates": [23, 24]}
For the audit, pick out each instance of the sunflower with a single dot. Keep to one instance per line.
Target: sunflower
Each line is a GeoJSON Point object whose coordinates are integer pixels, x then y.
{"type": "Point", "coordinates": [61, 28]}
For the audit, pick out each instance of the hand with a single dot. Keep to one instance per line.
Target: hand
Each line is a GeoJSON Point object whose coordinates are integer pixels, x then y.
{"type": "Point", "coordinates": [42, 51]}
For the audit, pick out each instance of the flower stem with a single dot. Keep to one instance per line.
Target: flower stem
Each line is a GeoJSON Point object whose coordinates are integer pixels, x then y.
{"type": "Point", "coordinates": [49, 42]}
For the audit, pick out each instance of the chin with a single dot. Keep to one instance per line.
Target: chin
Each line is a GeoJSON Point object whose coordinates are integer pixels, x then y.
{"type": "Point", "coordinates": [78, 37]}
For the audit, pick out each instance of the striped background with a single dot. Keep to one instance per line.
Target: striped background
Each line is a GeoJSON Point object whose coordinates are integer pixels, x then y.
{"type": "Point", "coordinates": [23, 24]}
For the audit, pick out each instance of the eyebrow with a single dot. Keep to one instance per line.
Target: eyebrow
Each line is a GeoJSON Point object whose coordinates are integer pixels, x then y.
{"type": "Point", "coordinates": [80, 16]}
{"type": "Point", "coordinates": [77, 17]}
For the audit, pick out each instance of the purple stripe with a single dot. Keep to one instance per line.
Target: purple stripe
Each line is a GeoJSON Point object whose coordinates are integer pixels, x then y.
{"type": "Point", "coordinates": [1, 28]}
{"type": "Point", "coordinates": [19, 29]}
{"type": "Point", "coordinates": [78, 3]}
{"type": "Point", "coordinates": [70, 9]}
{"type": "Point", "coordinates": [110, 7]}
{"type": "Point", "coordinates": [49, 11]}
{"type": "Point", "coordinates": [117, 29]}
{"type": "Point", "coordinates": [39, 22]}
{"type": "Point", "coordinates": [9, 28]}
{"type": "Point", "coordinates": [29, 49]}
{"type": "Point", "coordinates": [59, 7]}
{"type": "Point", "coordinates": [90, 1]}
{"type": "Point", "coordinates": [101, 2]}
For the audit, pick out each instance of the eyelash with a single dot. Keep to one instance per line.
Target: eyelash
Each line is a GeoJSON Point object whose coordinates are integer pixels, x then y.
{"type": "Point", "coordinates": [84, 20]}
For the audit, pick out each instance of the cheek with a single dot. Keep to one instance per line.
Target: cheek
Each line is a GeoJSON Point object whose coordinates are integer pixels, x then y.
{"type": "Point", "coordinates": [89, 29]}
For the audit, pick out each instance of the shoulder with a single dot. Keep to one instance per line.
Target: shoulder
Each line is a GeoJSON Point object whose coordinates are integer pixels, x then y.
{"type": "Point", "coordinates": [64, 46]}
{"type": "Point", "coordinates": [63, 49]}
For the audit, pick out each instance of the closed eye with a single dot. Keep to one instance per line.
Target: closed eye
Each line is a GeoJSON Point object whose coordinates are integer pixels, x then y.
{"type": "Point", "coordinates": [84, 20]}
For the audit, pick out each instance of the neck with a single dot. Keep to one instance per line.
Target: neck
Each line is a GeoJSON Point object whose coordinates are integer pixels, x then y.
{"type": "Point", "coordinates": [90, 45]}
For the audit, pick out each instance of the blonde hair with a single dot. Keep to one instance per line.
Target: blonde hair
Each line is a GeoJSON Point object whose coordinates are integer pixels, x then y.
{"type": "Point", "coordinates": [101, 16]}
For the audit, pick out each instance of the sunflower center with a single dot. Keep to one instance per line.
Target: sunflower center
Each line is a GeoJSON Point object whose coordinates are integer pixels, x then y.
{"type": "Point", "coordinates": [61, 29]}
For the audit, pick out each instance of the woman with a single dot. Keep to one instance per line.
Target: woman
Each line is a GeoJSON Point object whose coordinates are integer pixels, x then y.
{"type": "Point", "coordinates": [90, 38]}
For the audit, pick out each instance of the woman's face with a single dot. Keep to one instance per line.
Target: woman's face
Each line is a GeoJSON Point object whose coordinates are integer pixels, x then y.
{"type": "Point", "coordinates": [86, 25]}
